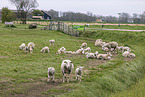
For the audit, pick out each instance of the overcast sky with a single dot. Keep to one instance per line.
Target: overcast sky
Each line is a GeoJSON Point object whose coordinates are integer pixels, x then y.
{"type": "Point", "coordinates": [98, 7]}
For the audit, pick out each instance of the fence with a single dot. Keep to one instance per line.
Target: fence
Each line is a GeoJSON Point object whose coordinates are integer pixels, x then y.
{"type": "Point", "coordinates": [60, 26]}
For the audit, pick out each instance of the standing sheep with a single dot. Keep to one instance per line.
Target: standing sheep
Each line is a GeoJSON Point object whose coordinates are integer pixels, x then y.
{"type": "Point", "coordinates": [79, 73]}
{"type": "Point", "coordinates": [66, 67]}
{"type": "Point", "coordinates": [45, 50]}
{"type": "Point", "coordinates": [84, 45]}
{"type": "Point", "coordinates": [52, 42]}
{"type": "Point", "coordinates": [112, 45]}
{"type": "Point", "coordinates": [104, 56]}
{"type": "Point", "coordinates": [51, 72]}
{"type": "Point", "coordinates": [22, 46]}
{"type": "Point", "coordinates": [80, 51]}
{"type": "Point", "coordinates": [31, 46]}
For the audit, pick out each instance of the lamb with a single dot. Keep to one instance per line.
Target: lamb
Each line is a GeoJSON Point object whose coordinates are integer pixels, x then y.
{"type": "Point", "coordinates": [132, 55]}
{"type": "Point", "coordinates": [66, 67]}
{"type": "Point", "coordinates": [88, 49]}
{"type": "Point", "coordinates": [31, 46]}
{"type": "Point", "coordinates": [80, 51]}
{"type": "Point", "coordinates": [62, 49]}
{"type": "Point", "coordinates": [79, 73]}
{"type": "Point", "coordinates": [90, 55]}
{"type": "Point", "coordinates": [45, 50]}
{"type": "Point", "coordinates": [51, 72]}
{"type": "Point", "coordinates": [84, 45]}
{"type": "Point", "coordinates": [104, 56]}
{"type": "Point", "coordinates": [99, 43]}
{"type": "Point", "coordinates": [22, 46]}
{"type": "Point", "coordinates": [52, 42]}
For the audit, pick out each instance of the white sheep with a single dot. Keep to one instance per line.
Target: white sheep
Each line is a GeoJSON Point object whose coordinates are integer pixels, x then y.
{"type": "Point", "coordinates": [99, 43]}
{"type": "Point", "coordinates": [62, 49]}
{"type": "Point", "coordinates": [52, 42]}
{"type": "Point", "coordinates": [84, 45]}
{"type": "Point", "coordinates": [132, 55]}
{"type": "Point", "coordinates": [66, 67]}
{"type": "Point", "coordinates": [90, 55]}
{"type": "Point", "coordinates": [31, 46]}
{"type": "Point", "coordinates": [105, 49]}
{"type": "Point", "coordinates": [51, 72]}
{"type": "Point", "coordinates": [79, 72]}
{"type": "Point", "coordinates": [126, 54]}
{"type": "Point", "coordinates": [79, 51]}
{"type": "Point", "coordinates": [68, 52]}
{"type": "Point", "coordinates": [73, 52]}
{"type": "Point", "coordinates": [111, 45]}
{"type": "Point", "coordinates": [120, 49]}
{"type": "Point", "coordinates": [88, 49]}
{"type": "Point", "coordinates": [104, 56]}
{"type": "Point", "coordinates": [126, 49]}
{"type": "Point", "coordinates": [45, 50]}
{"type": "Point", "coordinates": [22, 46]}
{"type": "Point", "coordinates": [58, 52]}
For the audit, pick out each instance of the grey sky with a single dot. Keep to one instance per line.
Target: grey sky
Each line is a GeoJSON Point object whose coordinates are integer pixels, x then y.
{"type": "Point", "coordinates": [98, 7]}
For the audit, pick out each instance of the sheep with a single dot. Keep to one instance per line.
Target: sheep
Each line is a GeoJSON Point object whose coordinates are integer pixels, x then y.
{"type": "Point", "coordinates": [31, 49]}
{"type": "Point", "coordinates": [84, 45]}
{"type": "Point", "coordinates": [58, 52]}
{"type": "Point", "coordinates": [90, 55]}
{"type": "Point", "coordinates": [104, 56]}
{"type": "Point", "coordinates": [52, 42]}
{"type": "Point", "coordinates": [26, 49]}
{"type": "Point", "coordinates": [22, 46]}
{"type": "Point", "coordinates": [132, 55]}
{"type": "Point", "coordinates": [32, 45]}
{"type": "Point", "coordinates": [126, 54]}
{"type": "Point", "coordinates": [112, 45]}
{"type": "Point", "coordinates": [79, 73]}
{"type": "Point", "coordinates": [88, 49]}
{"type": "Point", "coordinates": [51, 72]}
{"type": "Point", "coordinates": [99, 43]}
{"type": "Point", "coordinates": [105, 49]}
{"type": "Point", "coordinates": [80, 51]}
{"type": "Point", "coordinates": [120, 49]}
{"type": "Point", "coordinates": [126, 49]}
{"type": "Point", "coordinates": [67, 52]}
{"type": "Point", "coordinates": [73, 52]}
{"type": "Point", "coordinates": [62, 49]}
{"type": "Point", "coordinates": [45, 50]}
{"type": "Point", "coordinates": [66, 67]}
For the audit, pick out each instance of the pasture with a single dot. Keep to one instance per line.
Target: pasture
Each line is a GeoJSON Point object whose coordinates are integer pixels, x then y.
{"type": "Point", "coordinates": [26, 74]}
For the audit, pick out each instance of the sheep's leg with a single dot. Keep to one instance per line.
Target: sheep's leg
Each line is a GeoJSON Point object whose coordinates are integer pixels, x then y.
{"type": "Point", "coordinates": [68, 79]}
{"type": "Point", "coordinates": [76, 77]}
{"type": "Point", "coordinates": [48, 77]}
{"type": "Point", "coordinates": [53, 77]}
{"type": "Point", "coordinates": [80, 78]}
{"type": "Point", "coordinates": [64, 77]}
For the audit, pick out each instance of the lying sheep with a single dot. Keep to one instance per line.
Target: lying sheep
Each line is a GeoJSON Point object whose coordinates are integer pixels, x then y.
{"type": "Point", "coordinates": [61, 50]}
{"type": "Point", "coordinates": [73, 52]}
{"type": "Point", "coordinates": [132, 55]}
{"type": "Point", "coordinates": [90, 56]}
{"type": "Point", "coordinates": [79, 73]}
{"type": "Point", "coordinates": [120, 49]}
{"type": "Point", "coordinates": [104, 56]}
{"type": "Point", "coordinates": [79, 51]}
{"type": "Point", "coordinates": [105, 49]}
{"type": "Point", "coordinates": [84, 45]}
{"type": "Point", "coordinates": [45, 50]}
{"type": "Point", "coordinates": [66, 67]}
{"type": "Point", "coordinates": [68, 52]}
{"type": "Point", "coordinates": [128, 54]}
{"type": "Point", "coordinates": [126, 49]}
{"type": "Point", "coordinates": [100, 44]}
{"type": "Point", "coordinates": [52, 42]}
{"type": "Point", "coordinates": [22, 46]}
{"type": "Point", "coordinates": [51, 72]}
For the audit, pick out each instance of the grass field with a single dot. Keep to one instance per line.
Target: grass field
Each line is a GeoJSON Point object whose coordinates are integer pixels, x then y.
{"type": "Point", "coordinates": [26, 74]}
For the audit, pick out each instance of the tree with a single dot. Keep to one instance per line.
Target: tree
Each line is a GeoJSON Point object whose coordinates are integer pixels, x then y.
{"type": "Point", "coordinates": [24, 7]}
{"type": "Point", "coordinates": [7, 15]}
{"type": "Point", "coordinates": [124, 18]}
{"type": "Point", "coordinates": [136, 18]}
{"type": "Point", "coordinates": [37, 13]}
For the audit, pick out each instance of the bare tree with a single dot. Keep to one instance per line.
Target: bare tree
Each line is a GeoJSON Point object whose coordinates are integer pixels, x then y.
{"type": "Point", "coordinates": [24, 7]}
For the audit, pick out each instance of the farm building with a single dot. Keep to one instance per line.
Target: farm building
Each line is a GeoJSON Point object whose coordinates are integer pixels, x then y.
{"type": "Point", "coordinates": [46, 15]}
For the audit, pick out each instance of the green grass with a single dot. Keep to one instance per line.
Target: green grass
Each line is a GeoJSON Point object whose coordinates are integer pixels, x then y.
{"type": "Point", "coordinates": [17, 68]}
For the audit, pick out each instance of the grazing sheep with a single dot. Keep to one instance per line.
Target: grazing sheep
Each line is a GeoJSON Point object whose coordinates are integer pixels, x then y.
{"type": "Point", "coordinates": [84, 45]}
{"type": "Point", "coordinates": [79, 51]}
{"type": "Point", "coordinates": [104, 56]}
{"type": "Point", "coordinates": [66, 67]}
{"type": "Point", "coordinates": [88, 49]}
{"type": "Point", "coordinates": [22, 46]}
{"type": "Point", "coordinates": [52, 42]}
{"type": "Point", "coordinates": [45, 50]}
{"type": "Point", "coordinates": [32, 45]}
{"type": "Point", "coordinates": [62, 49]}
{"type": "Point", "coordinates": [90, 55]}
{"type": "Point", "coordinates": [79, 73]}
{"type": "Point", "coordinates": [99, 43]}
{"type": "Point", "coordinates": [51, 72]}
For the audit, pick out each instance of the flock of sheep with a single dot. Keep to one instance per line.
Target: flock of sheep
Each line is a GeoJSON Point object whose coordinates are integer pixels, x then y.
{"type": "Point", "coordinates": [67, 65]}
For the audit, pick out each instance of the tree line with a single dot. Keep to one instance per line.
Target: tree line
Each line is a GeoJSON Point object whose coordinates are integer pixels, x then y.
{"type": "Point", "coordinates": [26, 7]}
